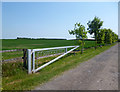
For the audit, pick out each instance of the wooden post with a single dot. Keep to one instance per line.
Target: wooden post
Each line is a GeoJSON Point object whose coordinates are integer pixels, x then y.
{"type": "Point", "coordinates": [25, 58]}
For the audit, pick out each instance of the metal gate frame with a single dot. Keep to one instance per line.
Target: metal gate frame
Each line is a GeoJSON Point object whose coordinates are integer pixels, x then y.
{"type": "Point", "coordinates": [31, 52]}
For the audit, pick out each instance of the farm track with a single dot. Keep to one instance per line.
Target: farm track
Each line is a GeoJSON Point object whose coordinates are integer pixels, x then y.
{"type": "Point", "coordinates": [98, 73]}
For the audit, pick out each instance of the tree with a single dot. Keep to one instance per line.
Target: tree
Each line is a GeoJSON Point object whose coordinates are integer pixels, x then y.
{"type": "Point", "coordinates": [80, 34]}
{"type": "Point", "coordinates": [113, 37]}
{"type": "Point", "coordinates": [116, 37]}
{"type": "Point", "coordinates": [94, 26]}
{"type": "Point", "coordinates": [106, 32]}
{"type": "Point", "coordinates": [108, 36]}
{"type": "Point", "coordinates": [101, 36]}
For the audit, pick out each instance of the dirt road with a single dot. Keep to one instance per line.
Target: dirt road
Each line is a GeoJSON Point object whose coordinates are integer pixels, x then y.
{"type": "Point", "coordinates": [98, 73]}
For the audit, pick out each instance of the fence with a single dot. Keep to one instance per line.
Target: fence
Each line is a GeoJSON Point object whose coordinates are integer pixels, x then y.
{"type": "Point", "coordinates": [16, 51]}
{"type": "Point", "coordinates": [31, 56]}
{"type": "Point", "coordinates": [11, 50]}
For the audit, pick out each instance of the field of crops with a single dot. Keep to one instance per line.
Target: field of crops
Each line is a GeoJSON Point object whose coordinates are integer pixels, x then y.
{"type": "Point", "coordinates": [8, 44]}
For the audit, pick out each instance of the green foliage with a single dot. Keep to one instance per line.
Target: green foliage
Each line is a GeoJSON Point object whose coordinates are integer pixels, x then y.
{"type": "Point", "coordinates": [80, 33]}
{"type": "Point", "coordinates": [79, 41]}
{"type": "Point", "coordinates": [101, 36]}
{"type": "Point", "coordinates": [94, 26]}
{"type": "Point", "coordinates": [114, 37]}
{"type": "Point", "coordinates": [108, 35]}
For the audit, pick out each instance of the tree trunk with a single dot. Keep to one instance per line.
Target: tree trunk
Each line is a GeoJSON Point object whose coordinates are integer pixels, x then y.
{"type": "Point", "coordinates": [95, 40]}
{"type": "Point", "coordinates": [82, 47]}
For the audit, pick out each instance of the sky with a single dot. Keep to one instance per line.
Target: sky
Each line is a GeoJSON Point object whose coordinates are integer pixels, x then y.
{"type": "Point", "coordinates": [119, 19]}
{"type": "Point", "coordinates": [54, 19]}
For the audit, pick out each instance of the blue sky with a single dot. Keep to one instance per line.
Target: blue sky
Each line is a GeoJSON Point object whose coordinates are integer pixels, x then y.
{"type": "Point", "coordinates": [54, 19]}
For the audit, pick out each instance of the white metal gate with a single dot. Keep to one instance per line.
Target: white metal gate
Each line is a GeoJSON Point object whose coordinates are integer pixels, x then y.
{"type": "Point", "coordinates": [31, 57]}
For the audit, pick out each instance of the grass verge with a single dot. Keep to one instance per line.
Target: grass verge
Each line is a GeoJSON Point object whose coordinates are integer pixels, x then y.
{"type": "Point", "coordinates": [20, 80]}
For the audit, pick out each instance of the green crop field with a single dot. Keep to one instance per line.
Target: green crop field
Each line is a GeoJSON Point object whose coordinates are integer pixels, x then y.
{"type": "Point", "coordinates": [8, 44]}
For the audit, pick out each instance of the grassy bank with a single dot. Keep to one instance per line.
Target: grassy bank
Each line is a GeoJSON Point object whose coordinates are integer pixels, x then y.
{"type": "Point", "coordinates": [15, 77]}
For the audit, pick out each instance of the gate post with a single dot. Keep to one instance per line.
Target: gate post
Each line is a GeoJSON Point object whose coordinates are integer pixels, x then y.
{"type": "Point", "coordinates": [24, 58]}
{"type": "Point", "coordinates": [29, 60]}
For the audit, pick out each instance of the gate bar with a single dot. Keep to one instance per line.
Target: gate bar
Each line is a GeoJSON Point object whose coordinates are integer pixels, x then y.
{"type": "Point", "coordinates": [54, 59]}
{"type": "Point", "coordinates": [52, 48]}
